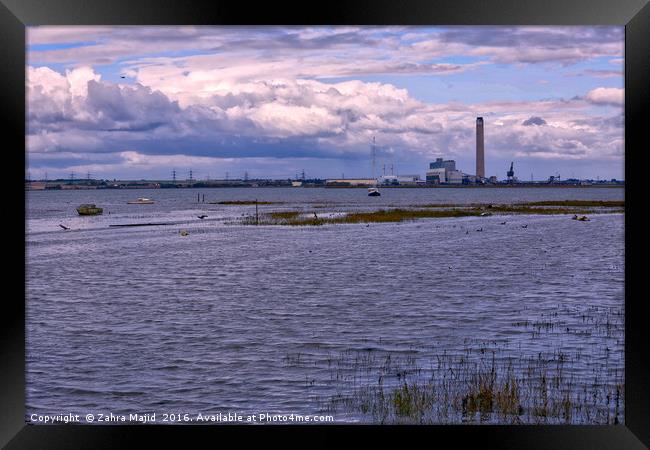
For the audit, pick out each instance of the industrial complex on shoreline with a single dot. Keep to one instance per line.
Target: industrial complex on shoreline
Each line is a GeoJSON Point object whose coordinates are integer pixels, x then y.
{"type": "Point", "coordinates": [441, 173]}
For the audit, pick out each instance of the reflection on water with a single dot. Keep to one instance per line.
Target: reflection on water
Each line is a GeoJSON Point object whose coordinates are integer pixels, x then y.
{"type": "Point", "coordinates": [254, 319]}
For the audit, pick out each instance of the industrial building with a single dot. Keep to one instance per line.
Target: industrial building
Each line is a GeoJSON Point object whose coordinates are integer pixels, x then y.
{"type": "Point", "coordinates": [397, 180]}
{"type": "Point", "coordinates": [437, 175]}
{"type": "Point", "coordinates": [440, 171]}
{"type": "Point", "coordinates": [444, 171]}
{"type": "Point", "coordinates": [440, 163]}
{"type": "Point", "coordinates": [454, 177]}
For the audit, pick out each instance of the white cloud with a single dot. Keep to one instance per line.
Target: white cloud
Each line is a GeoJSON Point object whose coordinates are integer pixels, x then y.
{"type": "Point", "coordinates": [78, 80]}
{"type": "Point", "coordinates": [251, 101]}
{"type": "Point", "coordinates": [333, 119]}
{"type": "Point", "coordinates": [606, 96]}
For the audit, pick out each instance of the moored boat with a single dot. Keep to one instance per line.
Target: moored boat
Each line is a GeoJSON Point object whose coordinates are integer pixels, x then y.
{"type": "Point", "coordinates": [89, 209]}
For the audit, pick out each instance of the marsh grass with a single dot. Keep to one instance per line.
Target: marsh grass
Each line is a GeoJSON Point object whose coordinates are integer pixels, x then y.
{"type": "Point", "coordinates": [286, 215]}
{"type": "Point", "coordinates": [462, 389]}
{"type": "Point", "coordinates": [527, 209]}
{"type": "Point", "coordinates": [383, 215]}
{"type": "Point", "coordinates": [298, 218]}
{"type": "Point", "coordinates": [561, 203]}
{"type": "Point", "coordinates": [399, 215]}
{"type": "Point", "coordinates": [485, 382]}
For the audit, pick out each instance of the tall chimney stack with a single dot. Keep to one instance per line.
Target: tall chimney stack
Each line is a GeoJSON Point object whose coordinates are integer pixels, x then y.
{"type": "Point", "coordinates": [480, 149]}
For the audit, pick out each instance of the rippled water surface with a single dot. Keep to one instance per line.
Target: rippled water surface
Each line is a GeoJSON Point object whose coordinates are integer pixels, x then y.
{"type": "Point", "coordinates": [258, 319]}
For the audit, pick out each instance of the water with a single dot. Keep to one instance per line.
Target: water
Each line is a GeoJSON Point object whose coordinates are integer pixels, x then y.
{"type": "Point", "coordinates": [248, 319]}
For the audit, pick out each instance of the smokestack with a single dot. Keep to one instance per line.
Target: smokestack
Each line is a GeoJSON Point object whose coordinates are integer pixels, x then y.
{"type": "Point", "coordinates": [480, 150]}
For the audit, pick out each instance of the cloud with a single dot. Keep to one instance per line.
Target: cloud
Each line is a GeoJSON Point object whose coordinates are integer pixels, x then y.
{"type": "Point", "coordinates": [533, 121]}
{"type": "Point", "coordinates": [603, 73]}
{"type": "Point", "coordinates": [241, 95]}
{"type": "Point", "coordinates": [606, 96]}
{"type": "Point", "coordinates": [355, 49]}
{"type": "Point", "coordinates": [533, 45]}
{"type": "Point", "coordinates": [296, 119]}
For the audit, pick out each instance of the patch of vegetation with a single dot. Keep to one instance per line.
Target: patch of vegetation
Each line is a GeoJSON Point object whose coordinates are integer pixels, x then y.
{"type": "Point", "coordinates": [561, 203]}
{"type": "Point", "coordinates": [525, 209]}
{"type": "Point", "coordinates": [467, 389]}
{"type": "Point", "coordinates": [399, 215]}
{"type": "Point", "coordinates": [433, 210]}
{"type": "Point", "coordinates": [488, 382]}
{"type": "Point", "coordinates": [286, 215]}
{"type": "Point", "coordinates": [382, 215]}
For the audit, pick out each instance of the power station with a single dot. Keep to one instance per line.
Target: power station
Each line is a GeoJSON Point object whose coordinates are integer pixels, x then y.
{"type": "Point", "coordinates": [444, 171]}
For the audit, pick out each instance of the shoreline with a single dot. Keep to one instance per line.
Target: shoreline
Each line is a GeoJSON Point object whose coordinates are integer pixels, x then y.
{"type": "Point", "coordinates": [75, 187]}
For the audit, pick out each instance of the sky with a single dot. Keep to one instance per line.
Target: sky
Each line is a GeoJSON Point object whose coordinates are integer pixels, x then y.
{"type": "Point", "coordinates": [136, 102]}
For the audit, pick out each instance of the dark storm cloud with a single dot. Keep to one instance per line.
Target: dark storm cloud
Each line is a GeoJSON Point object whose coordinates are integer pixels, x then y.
{"type": "Point", "coordinates": [112, 118]}
{"type": "Point", "coordinates": [37, 161]}
{"type": "Point", "coordinates": [120, 105]}
{"type": "Point", "coordinates": [533, 121]}
{"type": "Point", "coordinates": [216, 146]}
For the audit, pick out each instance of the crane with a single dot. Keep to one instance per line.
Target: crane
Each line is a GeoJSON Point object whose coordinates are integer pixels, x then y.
{"type": "Point", "coordinates": [511, 173]}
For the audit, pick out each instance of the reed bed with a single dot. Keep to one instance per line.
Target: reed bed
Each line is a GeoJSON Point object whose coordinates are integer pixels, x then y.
{"type": "Point", "coordinates": [300, 218]}
{"type": "Point", "coordinates": [484, 382]}
{"type": "Point", "coordinates": [475, 387]}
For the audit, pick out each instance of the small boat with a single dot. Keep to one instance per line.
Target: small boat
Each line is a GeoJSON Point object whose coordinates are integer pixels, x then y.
{"type": "Point", "coordinates": [141, 201]}
{"type": "Point", "coordinates": [373, 192]}
{"type": "Point", "coordinates": [89, 210]}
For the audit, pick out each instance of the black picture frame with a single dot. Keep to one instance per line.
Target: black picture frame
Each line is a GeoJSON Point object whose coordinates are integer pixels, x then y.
{"type": "Point", "coordinates": [15, 15]}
